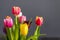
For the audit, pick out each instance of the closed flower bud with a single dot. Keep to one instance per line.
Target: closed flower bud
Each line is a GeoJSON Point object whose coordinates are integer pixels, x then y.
{"type": "Point", "coordinates": [22, 19]}
{"type": "Point", "coordinates": [16, 10]}
{"type": "Point", "coordinates": [23, 29]}
{"type": "Point", "coordinates": [39, 21]}
{"type": "Point", "coordinates": [8, 22]}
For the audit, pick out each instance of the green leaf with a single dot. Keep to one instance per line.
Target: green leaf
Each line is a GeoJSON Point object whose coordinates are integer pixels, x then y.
{"type": "Point", "coordinates": [35, 36]}
{"type": "Point", "coordinates": [32, 37]}
{"type": "Point", "coordinates": [43, 34]}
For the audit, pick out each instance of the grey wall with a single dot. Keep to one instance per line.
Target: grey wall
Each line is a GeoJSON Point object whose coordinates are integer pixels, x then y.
{"type": "Point", "coordinates": [49, 9]}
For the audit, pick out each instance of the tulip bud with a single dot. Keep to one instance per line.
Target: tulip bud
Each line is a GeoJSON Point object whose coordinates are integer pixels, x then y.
{"type": "Point", "coordinates": [16, 10]}
{"type": "Point", "coordinates": [22, 19]}
{"type": "Point", "coordinates": [39, 21]}
{"type": "Point", "coordinates": [8, 22]}
{"type": "Point", "coordinates": [23, 29]}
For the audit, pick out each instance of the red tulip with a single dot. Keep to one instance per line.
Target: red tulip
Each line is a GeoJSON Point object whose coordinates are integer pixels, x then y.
{"type": "Point", "coordinates": [16, 10]}
{"type": "Point", "coordinates": [39, 21]}
{"type": "Point", "coordinates": [22, 19]}
{"type": "Point", "coordinates": [8, 22]}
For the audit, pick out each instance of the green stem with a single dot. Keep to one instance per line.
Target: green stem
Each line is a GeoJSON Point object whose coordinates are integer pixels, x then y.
{"type": "Point", "coordinates": [9, 34]}
{"type": "Point", "coordinates": [16, 28]}
{"type": "Point", "coordinates": [23, 37]}
{"type": "Point", "coordinates": [16, 20]}
{"type": "Point", "coordinates": [16, 33]}
{"type": "Point", "coordinates": [36, 32]}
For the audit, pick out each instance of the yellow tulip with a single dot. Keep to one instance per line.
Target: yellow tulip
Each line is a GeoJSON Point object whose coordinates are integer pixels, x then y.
{"type": "Point", "coordinates": [23, 29]}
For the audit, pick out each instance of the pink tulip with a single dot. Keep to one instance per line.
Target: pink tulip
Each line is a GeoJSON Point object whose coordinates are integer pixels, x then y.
{"type": "Point", "coordinates": [16, 10]}
{"type": "Point", "coordinates": [22, 19]}
{"type": "Point", "coordinates": [8, 22]}
{"type": "Point", "coordinates": [39, 21]}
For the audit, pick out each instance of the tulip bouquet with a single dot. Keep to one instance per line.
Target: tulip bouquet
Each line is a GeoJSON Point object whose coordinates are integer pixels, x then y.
{"type": "Point", "coordinates": [18, 29]}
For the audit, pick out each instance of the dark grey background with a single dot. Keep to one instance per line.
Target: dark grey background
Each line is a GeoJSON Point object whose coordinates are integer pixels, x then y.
{"type": "Point", "coordinates": [49, 9]}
